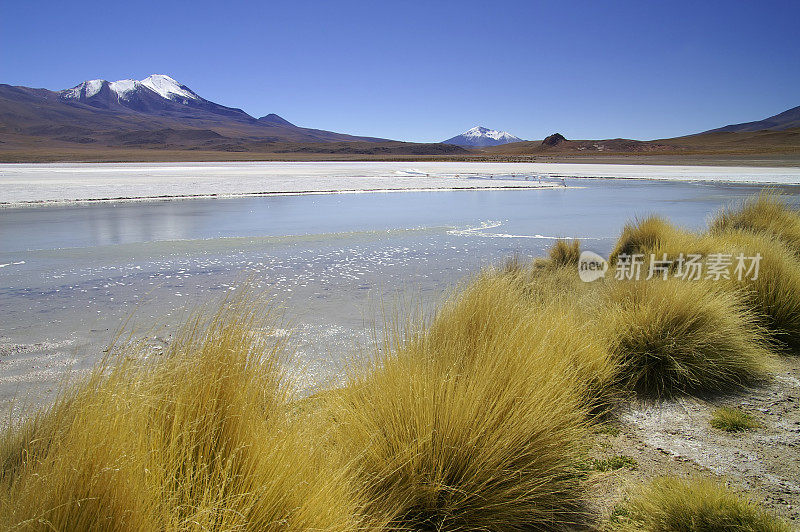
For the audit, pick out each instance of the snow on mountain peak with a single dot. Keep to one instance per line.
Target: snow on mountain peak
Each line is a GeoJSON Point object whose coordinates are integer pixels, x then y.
{"type": "Point", "coordinates": [482, 136]}
{"type": "Point", "coordinates": [88, 88]}
{"type": "Point", "coordinates": [163, 85]}
{"type": "Point", "coordinates": [124, 86]}
{"type": "Point", "coordinates": [168, 88]}
{"type": "Point", "coordinates": [483, 132]}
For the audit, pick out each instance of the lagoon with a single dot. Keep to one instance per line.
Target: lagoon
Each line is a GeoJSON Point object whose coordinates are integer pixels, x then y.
{"type": "Point", "coordinates": [72, 274]}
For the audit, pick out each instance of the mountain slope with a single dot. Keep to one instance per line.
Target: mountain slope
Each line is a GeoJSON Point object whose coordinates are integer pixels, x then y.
{"type": "Point", "coordinates": [480, 136]}
{"type": "Point", "coordinates": [157, 95]}
{"type": "Point", "coordinates": [744, 143]}
{"type": "Point", "coordinates": [154, 112]}
{"type": "Point", "coordinates": [786, 120]}
{"type": "Point", "coordinates": [272, 118]}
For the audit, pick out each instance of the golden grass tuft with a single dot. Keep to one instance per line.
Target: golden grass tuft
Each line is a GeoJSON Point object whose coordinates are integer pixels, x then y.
{"type": "Point", "coordinates": [643, 236]}
{"type": "Point", "coordinates": [565, 253]}
{"type": "Point", "coordinates": [477, 422]}
{"type": "Point", "coordinates": [673, 505]}
{"type": "Point", "coordinates": [474, 420]}
{"type": "Point", "coordinates": [768, 213]}
{"type": "Point", "coordinates": [199, 439]}
{"type": "Point", "coordinates": [544, 284]}
{"type": "Point", "coordinates": [613, 463]}
{"type": "Point", "coordinates": [775, 294]}
{"type": "Point", "coordinates": [681, 336]}
{"type": "Point", "coordinates": [656, 236]}
{"type": "Point", "coordinates": [732, 420]}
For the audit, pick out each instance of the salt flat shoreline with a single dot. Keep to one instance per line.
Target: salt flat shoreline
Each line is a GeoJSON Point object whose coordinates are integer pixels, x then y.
{"type": "Point", "coordinates": [43, 184]}
{"type": "Point", "coordinates": [88, 201]}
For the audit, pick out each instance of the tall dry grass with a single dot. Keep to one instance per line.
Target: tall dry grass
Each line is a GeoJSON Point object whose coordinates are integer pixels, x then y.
{"type": "Point", "coordinates": [768, 213]}
{"type": "Point", "coordinates": [474, 419]}
{"type": "Point", "coordinates": [673, 505]}
{"type": "Point", "coordinates": [775, 294]}
{"type": "Point", "coordinates": [678, 336]}
{"type": "Point", "coordinates": [477, 422]}
{"type": "Point", "coordinates": [646, 236]}
{"type": "Point", "coordinates": [201, 439]}
{"type": "Point", "coordinates": [565, 253]}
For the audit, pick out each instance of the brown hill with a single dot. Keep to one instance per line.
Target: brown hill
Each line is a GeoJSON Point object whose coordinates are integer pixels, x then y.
{"type": "Point", "coordinates": [789, 119]}
{"type": "Point", "coordinates": [786, 141]}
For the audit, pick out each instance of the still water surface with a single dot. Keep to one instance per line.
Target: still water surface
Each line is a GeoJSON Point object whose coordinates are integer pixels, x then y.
{"type": "Point", "coordinates": [71, 275]}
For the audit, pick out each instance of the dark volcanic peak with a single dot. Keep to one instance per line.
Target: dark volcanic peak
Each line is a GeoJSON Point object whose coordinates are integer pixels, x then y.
{"type": "Point", "coordinates": [554, 140]}
{"type": "Point", "coordinates": [274, 119]}
{"type": "Point", "coordinates": [786, 120]}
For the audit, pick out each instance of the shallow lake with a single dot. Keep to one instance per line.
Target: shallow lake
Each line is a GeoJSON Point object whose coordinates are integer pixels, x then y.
{"type": "Point", "coordinates": [71, 275]}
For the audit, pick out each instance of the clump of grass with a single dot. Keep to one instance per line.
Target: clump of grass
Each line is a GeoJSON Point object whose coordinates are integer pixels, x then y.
{"type": "Point", "coordinates": [764, 226]}
{"type": "Point", "coordinates": [565, 253]}
{"type": "Point", "coordinates": [562, 257]}
{"type": "Point", "coordinates": [732, 420]}
{"type": "Point", "coordinates": [613, 463]}
{"type": "Point", "coordinates": [608, 429]}
{"type": "Point", "coordinates": [476, 423]}
{"type": "Point", "coordinates": [657, 237]}
{"type": "Point", "coordinates": [673, 336]}
{"type": "Point", "coordinates": [643, 236]}
{"type": "Point", "coordinates": [546, 286]}
{"type": "Point", "coordinates": [555, 300]}
{"type": "Point", "coordinates": [513, 265]}
{"type": "Point", "coordinates": [200, 438]}
{"type": "Point", "coordinates": [775, 294]}
{"type": "Point", "coordinates": [673, 505]}
{"type": "Point", "coordinates": [768, 213]}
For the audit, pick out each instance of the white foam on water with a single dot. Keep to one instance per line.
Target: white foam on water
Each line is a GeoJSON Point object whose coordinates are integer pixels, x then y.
{"type": "Point", "coordinates": [480, 230]}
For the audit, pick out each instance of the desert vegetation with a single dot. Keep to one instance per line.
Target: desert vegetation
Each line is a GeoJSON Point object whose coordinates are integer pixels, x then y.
{"type": "Point", "coordinates": [732, 420]}
{"type": "Point", "coordinates": [477, 417]}
{"type": "Point", "coordinates": [673, 505]}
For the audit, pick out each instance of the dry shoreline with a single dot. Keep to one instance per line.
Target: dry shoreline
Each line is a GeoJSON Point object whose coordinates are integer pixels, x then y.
{"type": "Point", "coordinates": [781, 158]}
{"type": "Point", "coordinates": [89, 201]}
{"type": "Point", "coordinates": [674, 438]}
{"type": "Point", "coordinates": [37, 184]}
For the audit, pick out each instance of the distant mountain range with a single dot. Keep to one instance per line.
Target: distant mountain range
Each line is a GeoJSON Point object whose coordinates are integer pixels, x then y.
{"type": "Point", "coordinates": [480, 136]}
{"type": "Point", "coordinates": [157, 110]}
{"type": "Point", "coordinates": [159, 118]}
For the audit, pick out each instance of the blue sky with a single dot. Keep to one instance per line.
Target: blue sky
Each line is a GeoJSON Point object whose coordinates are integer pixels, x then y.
{"type": "Point", "coordinates": [425, 71]}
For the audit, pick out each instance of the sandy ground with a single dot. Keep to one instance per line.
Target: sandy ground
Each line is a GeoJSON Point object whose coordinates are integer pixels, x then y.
{"type": "Point", "coordinates": [26, 183]}
{"type": "Point", "coordinates": [675, 438]}
{"type": "Point", "coordinates": [764, 156]}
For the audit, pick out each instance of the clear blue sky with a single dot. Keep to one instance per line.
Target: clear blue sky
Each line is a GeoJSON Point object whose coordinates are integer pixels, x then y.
{"type": "Point", "coordinates": [425, 71]}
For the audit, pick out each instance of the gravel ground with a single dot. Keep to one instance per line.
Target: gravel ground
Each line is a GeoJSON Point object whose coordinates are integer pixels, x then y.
{"type": "Point", "coordinates": [675, 438]}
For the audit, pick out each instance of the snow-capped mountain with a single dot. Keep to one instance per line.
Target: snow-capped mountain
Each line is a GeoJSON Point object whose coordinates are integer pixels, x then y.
{"type": "Point", "coordinates": [482, 136]}
{"type": "Point", "coordinates": [125, 89]}
{"type": "Point", "coordinates": [157, 94]}
{"type": "Point", "coordinates": [155, 112]}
